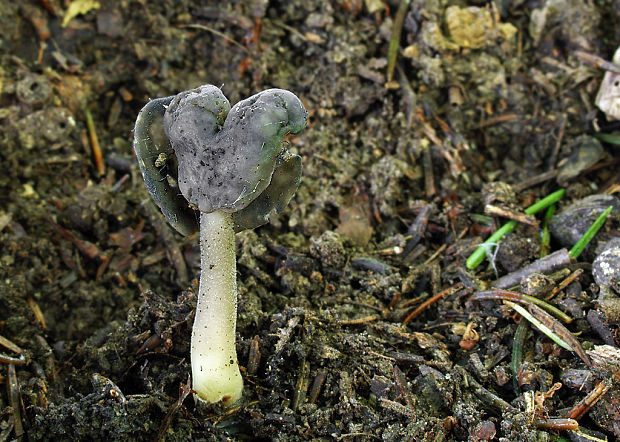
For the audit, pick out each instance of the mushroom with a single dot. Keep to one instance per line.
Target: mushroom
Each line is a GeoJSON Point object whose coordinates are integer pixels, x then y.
{"type": "Point", "coordinates": [197, 155]}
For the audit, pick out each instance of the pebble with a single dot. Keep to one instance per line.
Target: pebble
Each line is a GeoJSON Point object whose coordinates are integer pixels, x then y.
{"type": "Point", "coordinates": [586, 152]}
{"type": "Point", "coordinates": [568, 225]}
{"type": "Point", "coordinates": [606, 266]}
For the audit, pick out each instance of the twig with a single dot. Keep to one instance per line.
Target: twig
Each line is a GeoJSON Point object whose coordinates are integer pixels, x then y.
{"type": "Point", "coordinates": [358, 321]}
{"type": "Point", "coordinates": [317, 384]}
{"type": "Point", "coordinates": [396, 407]}
{"type": "Point", "coordinates": [545, 237]}
{"type": "Point", "coordinates": [498, 119]}
{"type": "Point", "coordinates": [284, 335]}
{"type": "Point", "coordinates": [517, 353]}
{"type": "Point", "coordinates": [10, 345]}
{"type": "Point", "coordinates": [417, 229]}
{"type": "Point", "coordinates": [12, 361]}
{"type": "Point", "coordinates": [219, 34]}
{"type": "Point", "coordinates": [598, 62]}
{"type": "Point", "coordinates": [510, 214]}
{"type": "Point", "coordinates": [552, 328]}
{"type": "Point", "coordinates": [584, 405]}
{"type": "Point", "coordinates": [540, 326]}
{"type": "Point", "coordinates": [401, 386]}
{"type": "Point", "coordinates": [427, 166]}
{"type": "Point", "coordinates": [408, 94]}
{"type": "Point", "coordinates": [36, 310]}
{"type": "Point", "coordinates": [163, 428]}
{"type": "Point", "coordinates": [537, 179]}
{"type": "Point", "coordinates": [568, 280]}
{"type": "Point", "coordinates": [14, 401]}
{"type": "Point", "coordinates": [561, 331]}
{"type": "Point", "coordinates": [301, 386]}
{"type": "Point", "coordinates": [87, 248]}
{"type": "Point", "coordinates": [254, 356]}
{"type": "Point", "coordinates": [557, 424]}
{"type": "Point", "coordinates": [94, 142]}
{"type": "Point", "coordinates": [450, 290]}
{"type": "Point", "coordinates": [506, 295]}
{"type": "Point", "coordinates": [442, 248]}
{"type": "Point", "coordinates": [556, 150]}
{"type": "Point", "coordinates": [397, 28]}
{"type": "Point", "coordinates": [548, 264]}
{"type": "Point", "coordinates": [485, 395]}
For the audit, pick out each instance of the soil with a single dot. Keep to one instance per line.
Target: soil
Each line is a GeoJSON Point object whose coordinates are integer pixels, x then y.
{"type": "Point", "coordinates": [408, 140]}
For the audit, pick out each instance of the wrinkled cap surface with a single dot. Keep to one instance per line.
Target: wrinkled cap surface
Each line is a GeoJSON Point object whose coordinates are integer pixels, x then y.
{"type": "Point", "coordinates": [186, 146]}
{"type": "Point", "coordinates": [226, 158]}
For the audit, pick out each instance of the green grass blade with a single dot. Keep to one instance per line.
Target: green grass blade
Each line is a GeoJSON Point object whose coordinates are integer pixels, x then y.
{"type": "Point", "coordinates": [478, 255]}
{"type": "Point", "coordinates": [587, 237]}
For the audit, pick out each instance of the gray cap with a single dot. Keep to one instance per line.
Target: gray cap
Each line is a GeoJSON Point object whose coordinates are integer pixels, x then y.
{"type": "Point", "coordinates": [233, 159]}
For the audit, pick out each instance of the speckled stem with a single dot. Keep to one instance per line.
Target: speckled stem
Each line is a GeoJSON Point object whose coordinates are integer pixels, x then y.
{"type": "Point", "coordinates": [215, 369]}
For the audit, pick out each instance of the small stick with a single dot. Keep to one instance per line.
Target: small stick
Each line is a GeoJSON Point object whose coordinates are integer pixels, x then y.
{"type": "Point", "coordinates": [507, 295]}
{"type": "Point", "coordinates": [408, 95]}
{"type": "Point", "coordinates": [561, 331]}
{"type": "Point", "coordinates": [539, 325]}
{"type": "Point", "coordinates": [14, 361]}
{"type": "Point", "coordinates": [301, 386]}
{"type": "Point", "coordinates": [548, 264]}
{"type": "Point", "coordinates": [87, 248]}
{"type": "Point", "coordinates": [510, 214]}
{"type": "Point", "coordinates": [94, 142]}
{"type": "Point", "coordinates": [450, 290]}
{"type": "Point", "coordinates": [545, 237]}
{"type": "Point", "coordinates": [495, 120]}
{"type": "Point", "coordinates": [558, 424]}
{"type": "Point", "coordinates": [417, 229]}
{"type": "Point", "coordinates": [284, 335]}
{"type": "Point", "coordinates": [554, 155]}
{"type": "Point", "coordinates": [561, 286]}
{"type": "Point", "coordinates": [358, 321]}
{"type": "Point", "coordinates": [163, 231]}
{"type": "Point", "coordinates": [14, 401]}
{"type": "Point", "coordinates": [537, 179]}
{"type": "Point", "coordinates": [185, 390]}
{"type": "Point", "coordinates": [38, 314]}
{"type": "Point", "coordinates": [254, 356]}
{"type": "Point", "coordinates": [219, 34]}
{"type": "Point", "coordinates": [584, 405]}
{"type": "Point", "coordinates": [401, 386]}
{"type": "Point", "coordinates": [397, 28]}
{"type": "Point", "coordinates": [598, 62]}
{"type": "Point", "coordinates": [319, 379]}
{"type": "Point", "coordinates": [10, 345]}
{"type": "Point", "coordinates": [486, 395]}
{"type": "Point", "coordinates": [443, 247]}
{"type": "Point", "coordinates": [429, 178]}
{"type": "Point", "coordinates": [396, 407]}
{"type": "Point", "coordinates": [517, 353]}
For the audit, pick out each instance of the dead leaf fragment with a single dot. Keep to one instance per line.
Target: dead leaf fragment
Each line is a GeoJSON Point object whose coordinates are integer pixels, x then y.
{"type": "Point", "coordinates": [79, 7]}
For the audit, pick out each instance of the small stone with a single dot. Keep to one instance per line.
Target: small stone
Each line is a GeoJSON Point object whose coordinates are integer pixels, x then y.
{"type": "Point", "coordinates": [329, 249]}
{"type": "Point", "coordinates": [569, 225]}
{"type": "Point", "coordinates": [536, 284]}
{"type": "Point", "coordinates": [586, 152]}
{"type": "Point", "coordinates": [606, 266]}
{"type": "Point", "coordinates": [485, 430]}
